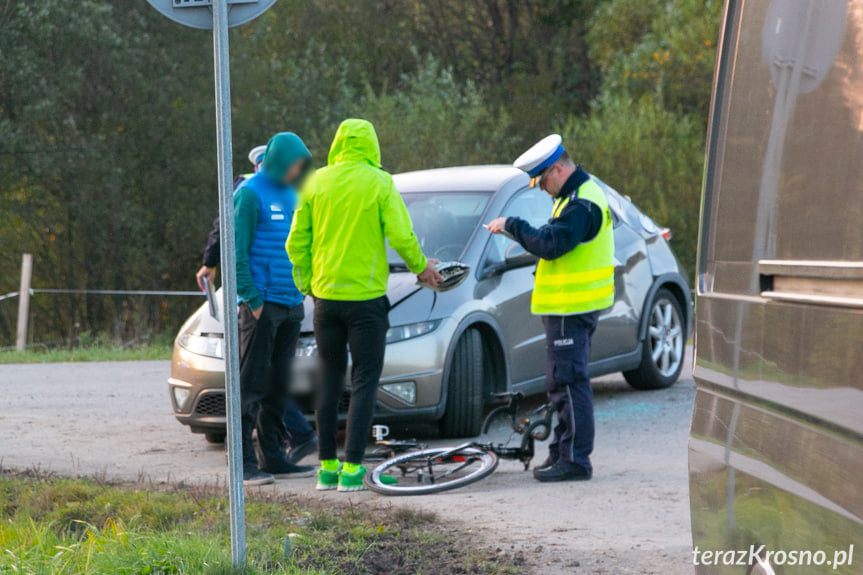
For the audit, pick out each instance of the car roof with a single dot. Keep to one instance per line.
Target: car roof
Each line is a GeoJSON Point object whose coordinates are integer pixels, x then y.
{"type": "Point", "coordinates": [462, 179]}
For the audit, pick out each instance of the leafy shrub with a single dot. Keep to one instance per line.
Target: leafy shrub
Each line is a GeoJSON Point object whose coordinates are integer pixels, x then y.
{"type": "Point", "coordinates": [650, 154]}
{"type": "Point", "coordinates": [434, 120]}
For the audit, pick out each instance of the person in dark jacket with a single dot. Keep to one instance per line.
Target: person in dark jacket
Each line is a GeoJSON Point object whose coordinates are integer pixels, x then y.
{"type": "Point", "coordinates": [271, 308]}
{"type": "Point", "coordinates": [212, 251]}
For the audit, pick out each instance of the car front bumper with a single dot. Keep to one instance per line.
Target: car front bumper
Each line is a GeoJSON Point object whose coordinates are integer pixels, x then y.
{"type": "Point", "coordinates": [417, 362]}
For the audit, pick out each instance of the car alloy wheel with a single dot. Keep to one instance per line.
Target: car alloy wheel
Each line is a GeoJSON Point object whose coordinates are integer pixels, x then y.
{"type": "Point", "coordinates": [665, 336]}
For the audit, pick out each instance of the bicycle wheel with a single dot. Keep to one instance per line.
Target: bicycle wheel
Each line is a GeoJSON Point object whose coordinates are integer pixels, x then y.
{"type": "Point", "coordinates": [431, 470]}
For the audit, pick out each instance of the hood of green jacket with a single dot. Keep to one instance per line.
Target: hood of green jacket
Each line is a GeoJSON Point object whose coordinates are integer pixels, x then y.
{"type": "Point", "coordinates": [283, 150]}
{"type": "Point", "coordinates": [355, 141]}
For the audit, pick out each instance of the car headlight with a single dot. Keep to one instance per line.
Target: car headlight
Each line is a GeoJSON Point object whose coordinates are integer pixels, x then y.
{"type": "Point", "coordinates": [403, 332]}
{"type": "Point", "coordinates": [209, 345]}
{"type": "Point", "coordinates": [181, 394]}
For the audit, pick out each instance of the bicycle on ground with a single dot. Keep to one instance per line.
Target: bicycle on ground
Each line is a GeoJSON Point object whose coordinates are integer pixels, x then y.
{"type": "Point", "coordinates": [422, 470]}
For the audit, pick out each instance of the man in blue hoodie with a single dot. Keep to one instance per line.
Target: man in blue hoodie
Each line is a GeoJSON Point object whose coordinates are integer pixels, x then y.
{"type": "Point", "coordinates": [299, 435]}
{"type": "Point", "coordinates": [271, 308]}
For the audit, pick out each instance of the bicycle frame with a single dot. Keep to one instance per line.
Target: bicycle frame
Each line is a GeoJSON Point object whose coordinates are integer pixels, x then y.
{"type": "Point", "coordinates": [524, 426]}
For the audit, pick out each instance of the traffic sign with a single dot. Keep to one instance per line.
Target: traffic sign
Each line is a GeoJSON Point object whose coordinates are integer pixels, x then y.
{"type": "Point", "coordinates": [199, 13]}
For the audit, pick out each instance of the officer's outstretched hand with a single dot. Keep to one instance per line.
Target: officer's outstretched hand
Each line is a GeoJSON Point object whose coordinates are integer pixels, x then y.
{"type": "Point", "coordinates": [496, 226]}
{"type": "Point", "coordinates": [430, 275]}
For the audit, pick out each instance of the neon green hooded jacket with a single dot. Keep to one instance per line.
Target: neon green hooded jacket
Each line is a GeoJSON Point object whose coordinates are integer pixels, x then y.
{"type": "Point", "coordinates": [345, 211]}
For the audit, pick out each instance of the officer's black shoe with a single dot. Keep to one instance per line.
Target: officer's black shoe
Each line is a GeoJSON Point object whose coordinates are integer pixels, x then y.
{"type": "Point", "coordinates": [549, 461]}
{"type": "Point", "coordinates": [562, 471]}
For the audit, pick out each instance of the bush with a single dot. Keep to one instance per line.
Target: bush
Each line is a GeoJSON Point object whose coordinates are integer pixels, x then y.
{"type": "Point", "coordinates": [650, 154]}
{"type": "Point", "coordinates": [665, 48]}
{"type": "Point", "coordinates": [436, 121]}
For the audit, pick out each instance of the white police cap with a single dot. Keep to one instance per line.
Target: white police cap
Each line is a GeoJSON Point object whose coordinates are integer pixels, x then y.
{"type": "Point", "coordinates": [256, 156]}
{"type": "Point", "coordinates": [540, 156]}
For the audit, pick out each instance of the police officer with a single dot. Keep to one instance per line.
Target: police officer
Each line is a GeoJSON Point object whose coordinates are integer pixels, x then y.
{"type": "Point", "coordinates": [574, 281]}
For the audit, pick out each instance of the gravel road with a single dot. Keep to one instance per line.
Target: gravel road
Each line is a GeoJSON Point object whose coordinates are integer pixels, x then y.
{"type": "Point", "coordinates": [114, 419]}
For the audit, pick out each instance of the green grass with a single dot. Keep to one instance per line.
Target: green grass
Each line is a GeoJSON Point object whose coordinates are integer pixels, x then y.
{"type": "Point", "coordinates": [58, 526]}
{"type": "Point", "coordinates": [95, 353]}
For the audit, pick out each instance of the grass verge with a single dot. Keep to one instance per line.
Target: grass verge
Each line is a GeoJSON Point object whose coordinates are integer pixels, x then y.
{"type": "Point", "coordinates": [59, 526]}
{"type": "Point", "coordinates": [99, 353]}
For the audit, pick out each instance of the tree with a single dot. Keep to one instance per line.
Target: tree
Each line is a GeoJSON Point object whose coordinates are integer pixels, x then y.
{"type": "Point", "coordinates": [92, 124]}
{"type": "Point", "coordinates": [107, 148]}
{"type": "Point", "coordinates": [664, 48]}
{"type": "Point", "coordinates": [653, 155]}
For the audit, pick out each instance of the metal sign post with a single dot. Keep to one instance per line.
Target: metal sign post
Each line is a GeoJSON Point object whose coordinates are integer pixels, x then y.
{"type": "Point", "coordinates": [219, 15]}
{"type": "Point", "coordinates": [229, 281]}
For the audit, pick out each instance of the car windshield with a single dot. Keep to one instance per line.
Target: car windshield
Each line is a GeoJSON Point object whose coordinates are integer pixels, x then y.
{"type": "Point", "coordinates": [443, 222]}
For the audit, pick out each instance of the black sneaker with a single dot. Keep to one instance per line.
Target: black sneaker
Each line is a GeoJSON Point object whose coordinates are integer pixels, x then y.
{"type": "Point", "coordinates": [286, 470]}
{"type": "Point", "coordinates": [301, 451]}
{"type": "Point", "coordinates": [257, 477]}
{"type": "Point", "coordinates": [562, 471]}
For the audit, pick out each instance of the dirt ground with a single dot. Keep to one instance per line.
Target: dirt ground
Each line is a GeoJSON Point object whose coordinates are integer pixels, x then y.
{"type": "Point", "coordinates": [114, 420]}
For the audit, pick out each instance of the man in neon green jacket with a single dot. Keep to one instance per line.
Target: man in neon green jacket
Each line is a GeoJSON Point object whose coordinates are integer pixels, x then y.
{"type": "Point", "coordinates": [337, 245]}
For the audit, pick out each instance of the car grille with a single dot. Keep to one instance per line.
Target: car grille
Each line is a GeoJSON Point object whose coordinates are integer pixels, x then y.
{"type": "Point", "coordinates": [211, 405]}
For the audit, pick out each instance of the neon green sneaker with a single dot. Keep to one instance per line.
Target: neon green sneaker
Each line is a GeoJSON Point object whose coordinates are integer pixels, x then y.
{"type": "Point", "coordinates": [329, 480]}
{"type": "Point", "coordinates": [352, 481]}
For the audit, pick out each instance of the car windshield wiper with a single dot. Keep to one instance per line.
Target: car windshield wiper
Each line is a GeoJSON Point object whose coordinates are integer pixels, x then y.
{"type": "Point", "coordinates": [399, 267]}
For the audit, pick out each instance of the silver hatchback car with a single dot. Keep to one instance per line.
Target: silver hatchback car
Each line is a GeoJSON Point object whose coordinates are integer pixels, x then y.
{"type": "Point", "coordinates": [449, 353]}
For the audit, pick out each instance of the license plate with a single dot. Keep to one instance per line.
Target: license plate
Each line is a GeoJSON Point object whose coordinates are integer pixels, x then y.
{"type": "Point", "coordinates": [302, 382]}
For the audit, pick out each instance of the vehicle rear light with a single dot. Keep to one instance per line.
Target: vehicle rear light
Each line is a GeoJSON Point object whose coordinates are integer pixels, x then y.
{"type": "Point", "coordinates": [666, 233]}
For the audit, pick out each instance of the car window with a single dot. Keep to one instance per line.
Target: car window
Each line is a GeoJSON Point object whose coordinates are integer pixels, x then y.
{"type": "Point", "coordinates": [531, 204]}
{"type": "Point", "coordinates": [443, 222]}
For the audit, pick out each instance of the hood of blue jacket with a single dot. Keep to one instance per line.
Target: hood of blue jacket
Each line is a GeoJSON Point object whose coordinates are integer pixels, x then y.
{"type": "Point", "coordinates": [283, 150]}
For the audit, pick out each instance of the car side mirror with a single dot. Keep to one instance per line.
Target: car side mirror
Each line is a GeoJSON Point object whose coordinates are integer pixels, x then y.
{"type": "Point", "coordinates": [518, 257]}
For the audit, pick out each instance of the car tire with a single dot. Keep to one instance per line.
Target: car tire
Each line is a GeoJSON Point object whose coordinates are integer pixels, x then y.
{"type": "Point", "coordinates": [464, 401]}
{"type": "Point", "coordinates": [663, 350]}
{"type": "Point", "coordinates": [215, 436]}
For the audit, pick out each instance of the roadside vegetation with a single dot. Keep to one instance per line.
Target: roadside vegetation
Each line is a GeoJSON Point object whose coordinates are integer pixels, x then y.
{"type": "Point", "coordinates": [107, 152]}
{"type": "Point", "coordinates": [89, 347]}
{"type": "Point", "coordinates": [58, 526]}
{"type": "Point", "coordinates": [100, 353]}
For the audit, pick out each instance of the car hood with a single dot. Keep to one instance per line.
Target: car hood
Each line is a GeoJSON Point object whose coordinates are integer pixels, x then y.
{"type": "Point", "coordinates": [409, 303]}
{"type": "Point", "coordinates": [401, 286]}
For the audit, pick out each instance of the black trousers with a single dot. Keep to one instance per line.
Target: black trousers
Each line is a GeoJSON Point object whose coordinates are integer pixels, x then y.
{"type": "Point", "coordinates": [568, 385]}
{"type": "Point", "coordinates": [267, 348]}
{"type": "Point", "coordinates": [362, 326]}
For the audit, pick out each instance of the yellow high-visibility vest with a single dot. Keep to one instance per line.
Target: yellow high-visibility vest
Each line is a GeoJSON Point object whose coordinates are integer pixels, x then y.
{"type": "Point", "coordinates": [581, 280]}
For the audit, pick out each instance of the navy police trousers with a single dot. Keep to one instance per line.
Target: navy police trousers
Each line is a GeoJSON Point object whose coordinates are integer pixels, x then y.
{"type": "Point", "coordinates": [568, 385]}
